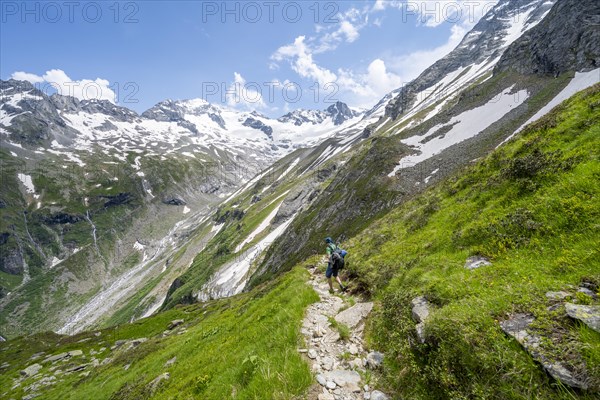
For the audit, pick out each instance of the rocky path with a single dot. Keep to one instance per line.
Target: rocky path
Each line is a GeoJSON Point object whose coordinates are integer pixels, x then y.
{"type": "Point", "coordinates": [333, 332]}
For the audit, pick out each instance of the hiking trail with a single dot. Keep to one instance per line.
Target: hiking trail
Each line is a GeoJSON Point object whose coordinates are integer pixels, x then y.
{"type": "Point", "coordinates": [333, 332]}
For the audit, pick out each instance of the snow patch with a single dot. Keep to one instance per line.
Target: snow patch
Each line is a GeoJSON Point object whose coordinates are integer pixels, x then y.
{"type": "Point", "coordinates": [464, 126]}
{"type": "Point", "coordinates": [581, 81]}
{"type": "Point", "coordinates": [27, 182]}
{"type": "Point", "coordinates": [263, 225]}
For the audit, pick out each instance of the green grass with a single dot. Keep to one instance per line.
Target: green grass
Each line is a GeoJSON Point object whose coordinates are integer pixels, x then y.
{"type": "Point", "coordinates": [243, 347]}
{"type": "Point", "coordinates": [532, 208]}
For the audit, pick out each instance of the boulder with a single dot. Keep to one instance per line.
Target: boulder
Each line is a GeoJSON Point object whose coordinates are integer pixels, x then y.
{"type": "Point", "coordinates": [588, 292]}
{"type": "Point", "coordinates": [476, 262]}
{"type": "Point", "coordinates": [377, 395]}
{"type": "Point", "coordinates": [174, 201]}
{"type": "Point", "coordinates": [342, 377]}
{"type": "Point", "coordinates": [374, 359]}
{"type": "Point", "coordinates": [156, 381]}
{"type": "Point", "coordinates": [171, 361]}
{"type": "Point", "coordinates": [354, 315]}
{"type": "Point", "coordinates": [31, 370]}
{"type": "Point", "coordinates": [517, 327]}
{"type": "Point", "coordinates": [420, 309]}
{"type": "Point", "coordinates": [557, 296]}
{"type": "Point", "coordinates": [420, 313]}
{"type": "Point", "coordinates": [56, 357]}
{"type": "Point", "coordinates": [589, 315]}
{"type": "Point", "coordinates": [174, 324]}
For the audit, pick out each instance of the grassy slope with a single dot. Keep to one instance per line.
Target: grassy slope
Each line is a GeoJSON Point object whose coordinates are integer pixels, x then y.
{"type": "Point", "coordinates": [532, 208]}
{"type": "Point", "coordinates": [243, 347]}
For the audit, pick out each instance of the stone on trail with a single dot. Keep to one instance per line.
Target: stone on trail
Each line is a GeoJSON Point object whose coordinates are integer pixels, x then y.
{"type": "Point", "coordinates": [321, 379]}
{"type": "Point", "coordinates": [354, 315]}
{"type": "Point", "coordinates": [377, 395]}
{"type": "Point", "coordinates": [589, 315]}
{"type": "Point", "coordinates": [326, 396]}
{"type": "Point", "coordinates": [312, 354]}
{"type": "Point", "coordinates": [342, 376]}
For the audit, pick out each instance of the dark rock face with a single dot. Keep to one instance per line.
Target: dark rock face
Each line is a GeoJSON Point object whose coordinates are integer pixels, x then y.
{"type": "Point", "coordinates": [259, 125]}
{"type": "Point", "coordinates": [300, 117]}
{"type": "Point", "coordinates": [62, 218]}
{"type": "Point", "coordinates": [36, 120]}
{"type": "Point", "coordinates": [174, 111]}
{"type": "Point", "coordinates": [12, 262]}
{"type": "Point", "coordinates": [567, 39]}
{"type": "Point", "coordinates": [107, 108]}
{"type": "Point", "coordinates": [174, 201]}
{"type": "Point", "coordinates": [117, 200]}
{"type": "Point", "coordinates": [340, 113]}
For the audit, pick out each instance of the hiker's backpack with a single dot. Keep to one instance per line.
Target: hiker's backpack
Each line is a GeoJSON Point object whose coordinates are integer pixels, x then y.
{"type": "Point", "coordinates": [337, 257]}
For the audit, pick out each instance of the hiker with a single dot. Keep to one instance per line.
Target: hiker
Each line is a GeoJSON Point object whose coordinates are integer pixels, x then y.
{"type": "Point", "coordinates": [332, 267]}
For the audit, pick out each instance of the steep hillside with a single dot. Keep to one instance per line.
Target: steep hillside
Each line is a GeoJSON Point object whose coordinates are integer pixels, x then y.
{"type": "Point", "coordinates": [531, 210]}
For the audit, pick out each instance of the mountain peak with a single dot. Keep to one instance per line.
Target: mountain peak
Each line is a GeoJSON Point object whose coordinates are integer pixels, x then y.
{"type": "Point", "coordinates": [338, 112]}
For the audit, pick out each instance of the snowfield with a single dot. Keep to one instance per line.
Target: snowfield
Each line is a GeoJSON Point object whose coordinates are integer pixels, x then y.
{"type": "Point", "coordinates": [464, 126]}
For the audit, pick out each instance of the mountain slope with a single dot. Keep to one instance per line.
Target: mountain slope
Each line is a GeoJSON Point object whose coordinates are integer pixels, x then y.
{"type": "Point", "coordinates": [425, 143]}
{"type": "Point", "coordinates": [530, 208]}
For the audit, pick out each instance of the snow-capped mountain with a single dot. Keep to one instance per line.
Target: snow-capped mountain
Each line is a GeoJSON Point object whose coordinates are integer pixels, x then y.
{"type": "Point", "coordinates": [472, 61]}
{"type": "Point", "coordinates": [338, 113]}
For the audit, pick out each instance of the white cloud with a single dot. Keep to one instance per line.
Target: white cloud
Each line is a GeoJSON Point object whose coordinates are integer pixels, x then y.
{"type": "Point", "coordinates": [379, 77]}
{"type": "Point", "coordinates": [26, 76]}
{"type": "Point", "coordinates": [84, 89]}
{"type": "Point", "coordinates": [301, 61]}
{"type": "Point", "coordinates": [364, 89]}
{"type": "Point", "coordinates": [244, 94]}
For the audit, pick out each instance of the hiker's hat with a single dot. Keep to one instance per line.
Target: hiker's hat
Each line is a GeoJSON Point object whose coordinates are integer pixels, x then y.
{"type": "Point", "coordinates": [328, 240]}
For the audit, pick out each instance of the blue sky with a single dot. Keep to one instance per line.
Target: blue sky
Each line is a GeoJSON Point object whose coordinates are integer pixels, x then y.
{"type": "Point", "coordinates": [266, 55]}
